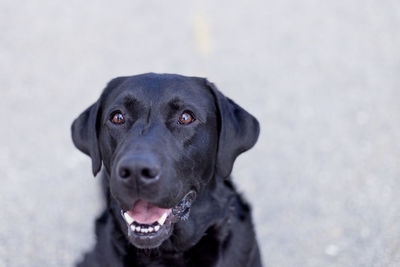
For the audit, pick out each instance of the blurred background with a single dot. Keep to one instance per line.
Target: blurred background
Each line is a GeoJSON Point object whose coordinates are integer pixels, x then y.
{"type": "Point", "coordinates": [322, 77]}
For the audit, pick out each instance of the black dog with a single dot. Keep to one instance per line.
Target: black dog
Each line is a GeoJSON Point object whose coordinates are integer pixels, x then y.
{"type": "Point", "coordinates": [168, 143]}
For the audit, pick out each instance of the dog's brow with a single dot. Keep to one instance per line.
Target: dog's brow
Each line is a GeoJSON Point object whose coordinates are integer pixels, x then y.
{"type": "Point", "coordinates": [126, 100]}
{"type": "Point", "coordinates": [175, 103]}
{"type": "Point", "coordinates": [129, 101]}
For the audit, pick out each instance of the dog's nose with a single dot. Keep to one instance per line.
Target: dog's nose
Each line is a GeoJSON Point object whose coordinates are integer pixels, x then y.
{"type": "Point", "coordinates": [144, 168]}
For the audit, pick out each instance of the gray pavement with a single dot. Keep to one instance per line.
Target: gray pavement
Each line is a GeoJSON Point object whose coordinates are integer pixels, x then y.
{"type": "Point", "coordinates": [323, 78]}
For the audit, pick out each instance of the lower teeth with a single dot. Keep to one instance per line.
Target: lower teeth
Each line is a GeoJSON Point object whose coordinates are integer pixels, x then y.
{"type": "Point", "coordinates": [144, 229]}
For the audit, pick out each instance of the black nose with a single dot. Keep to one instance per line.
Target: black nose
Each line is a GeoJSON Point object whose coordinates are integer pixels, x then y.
{"type": "Point", "coordinates": [145, 168]}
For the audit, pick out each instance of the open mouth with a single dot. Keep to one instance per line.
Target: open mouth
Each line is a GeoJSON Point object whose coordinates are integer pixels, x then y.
{"type": "Point", "coordinates": [145, 218]}
{"type": "Point", "coordinates": [149, 225]}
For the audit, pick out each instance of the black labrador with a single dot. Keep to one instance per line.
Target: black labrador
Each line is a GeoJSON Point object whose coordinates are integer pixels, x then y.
{"type": "Point", "coordinates": [168, 143]}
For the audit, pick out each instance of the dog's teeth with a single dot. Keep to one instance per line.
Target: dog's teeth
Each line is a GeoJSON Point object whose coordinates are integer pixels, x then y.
{"type": "Point", "coordinates": [161, 221]}
{"type": "Point", "coordinates": [145, 229]}
{"type": "Point", "coordinates": [128, 218]}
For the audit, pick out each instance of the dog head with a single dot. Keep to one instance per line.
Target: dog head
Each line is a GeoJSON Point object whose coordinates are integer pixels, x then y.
{"type": "Point", "coordinates": [161, 139]}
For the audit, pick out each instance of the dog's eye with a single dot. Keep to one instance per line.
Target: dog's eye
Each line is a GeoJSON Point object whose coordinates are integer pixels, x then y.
{"type": "Point", "coordinates": [117, 118]}
{"type": "Point", "coordinates": [186, 118]}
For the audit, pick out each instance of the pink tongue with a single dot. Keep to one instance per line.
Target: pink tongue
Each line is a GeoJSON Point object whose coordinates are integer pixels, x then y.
{"type": "Point", "coordinates": [146, 213]}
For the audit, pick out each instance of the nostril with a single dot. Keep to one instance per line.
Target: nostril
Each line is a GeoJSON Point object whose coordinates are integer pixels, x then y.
{"type": "Point", "coordinates": [124, 173]}
{"type": "Point", "coordinates": [149, 173]}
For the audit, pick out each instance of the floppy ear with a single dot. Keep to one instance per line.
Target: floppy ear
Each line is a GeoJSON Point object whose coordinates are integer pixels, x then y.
{"type": "Point", "coordinates": [85, 128]}
{"type": "Point", "coordinates": [84, 135]}
{"type": "Point", "coordinates": [238, 131]}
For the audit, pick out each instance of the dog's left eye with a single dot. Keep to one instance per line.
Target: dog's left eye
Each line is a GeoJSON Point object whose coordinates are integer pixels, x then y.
{"type": "Point", "coordinates": [186, 118]}
{"type": "Point", "coordinates": [117, 118]}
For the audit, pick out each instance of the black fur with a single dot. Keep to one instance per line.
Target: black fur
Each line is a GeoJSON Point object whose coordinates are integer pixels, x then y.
{"type": "Point", "coordinates": [196, 158]}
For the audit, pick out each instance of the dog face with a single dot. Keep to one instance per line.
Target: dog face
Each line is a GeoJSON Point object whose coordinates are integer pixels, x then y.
{"type": "Point", "coordinates": [161, 138]}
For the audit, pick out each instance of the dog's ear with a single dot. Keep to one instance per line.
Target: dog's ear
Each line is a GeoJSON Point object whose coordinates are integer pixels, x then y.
{"type": "Point", "coordinates": [238, 131]}
{"type": "Point", "coordinates": [84, 135]}
{"type": "Point", "coordinates": [85, 128]}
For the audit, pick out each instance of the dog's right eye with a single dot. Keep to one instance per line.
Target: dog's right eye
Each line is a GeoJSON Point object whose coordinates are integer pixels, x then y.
{"type": "Point", "coordinates": [117, 118]}
{"type": "Point", "coordinates": [186, 118]}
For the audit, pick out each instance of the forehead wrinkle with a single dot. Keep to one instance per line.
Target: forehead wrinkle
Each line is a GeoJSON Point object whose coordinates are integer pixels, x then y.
{"type": "Point", "coordinates": [124, 99]}
{"type": "Point", "coordinates": [140, 98]}
{"type": "Point", "coordinates": [177, 94]}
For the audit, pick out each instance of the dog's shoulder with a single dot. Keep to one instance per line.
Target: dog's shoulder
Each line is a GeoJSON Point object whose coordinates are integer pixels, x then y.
{"type": "Point", "coordinates": [239, 245]}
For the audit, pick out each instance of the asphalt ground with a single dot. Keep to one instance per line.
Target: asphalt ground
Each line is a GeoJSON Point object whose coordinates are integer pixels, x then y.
{"type": "Point", "coordinates": [322, 77]}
